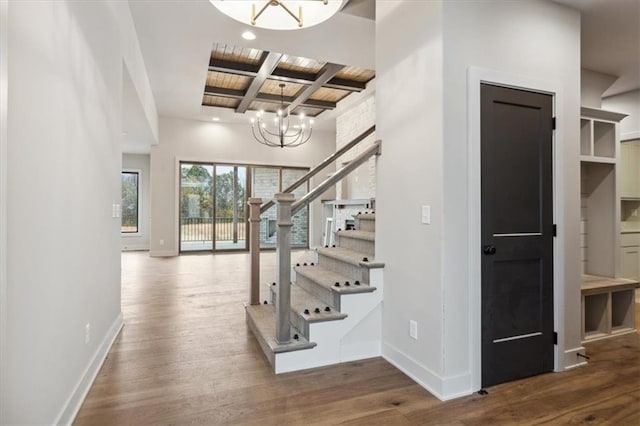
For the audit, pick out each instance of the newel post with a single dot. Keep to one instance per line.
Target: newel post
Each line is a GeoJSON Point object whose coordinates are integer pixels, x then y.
{"type": "Point", "coordinates": [283, 266]}
{"type": "Point", "coordinates": [254, 248]}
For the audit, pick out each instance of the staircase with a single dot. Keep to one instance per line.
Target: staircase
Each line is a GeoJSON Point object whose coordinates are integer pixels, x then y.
{"type": "Point", "coordinates": [335, 305]}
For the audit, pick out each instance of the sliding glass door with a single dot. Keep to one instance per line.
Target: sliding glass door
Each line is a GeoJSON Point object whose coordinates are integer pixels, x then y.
{"type": "Point", "coordinates": [230, 208]}
{"type": "Point", "coordinates": [212, 207]}
{"type": "Point", "coordinates": [196, 207]}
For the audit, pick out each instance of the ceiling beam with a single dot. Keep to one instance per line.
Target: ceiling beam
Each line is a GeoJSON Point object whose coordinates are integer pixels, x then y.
{"type": "Point", "coordinates": [223, 91]}
{"type": "Point", "coordinates": [326, 73]}
{"type": "Point", "coordinates": [265, 97]}
{"type": "Point", "coordinates": [298, 77]}
{"type": "Point", "coordinates": [269, 63]}
{"type": "Point", "coordinates": [284, 75]}
{"type": "Point", "coordinates": [240, 68]}
{"type": "Point", "coordinates": [343, 84]}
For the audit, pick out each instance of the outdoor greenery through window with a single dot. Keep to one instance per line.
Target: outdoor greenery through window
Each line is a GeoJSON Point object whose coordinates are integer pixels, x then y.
{"type": "Point", "coordinates": [213, 205]}
{"type": "Point", "coordinates": [130, 198]}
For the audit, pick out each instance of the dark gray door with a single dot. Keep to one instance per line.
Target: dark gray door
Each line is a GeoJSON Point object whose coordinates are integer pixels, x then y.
{"type": "Point", "coordinates": [517, 234]}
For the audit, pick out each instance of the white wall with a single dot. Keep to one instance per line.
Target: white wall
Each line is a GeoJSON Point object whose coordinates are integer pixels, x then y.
{"type": "Point", "coordinates": [409, 122]}
{"type": "Point", "coordinates": [64, 162]}
{"type": "Point", "coordinates": [422, 103]}
{"type": "Point", "coordinates": [136, 70]}
{"type": "Point", "coordinates": [592, 86]}
{"type": "Point", "coordinates": [535, 40]}
{"type": "Point", "coordinates": [626, 103]}
{"type": "Point", "coordinates": [4, 44]}
{"type": "Point", "coordinates": [140, 163]}
{"type": "Point", "coordinates": [190, 140]}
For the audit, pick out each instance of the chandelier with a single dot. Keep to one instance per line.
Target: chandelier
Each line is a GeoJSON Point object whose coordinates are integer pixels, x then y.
{"type": "Point", "coordinates": [281, 133]}
{"type": "Point", "coordinates": [282, 15]}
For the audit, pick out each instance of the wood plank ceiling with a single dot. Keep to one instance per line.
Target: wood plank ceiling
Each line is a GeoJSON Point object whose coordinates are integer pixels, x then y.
{"type": "Point", "coordinates": [246, 79]}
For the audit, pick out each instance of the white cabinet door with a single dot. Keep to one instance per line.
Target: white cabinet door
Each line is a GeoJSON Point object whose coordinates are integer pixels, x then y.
{"type": "Point", "coordinates": [630, 169]}
{"type": "Point", "coordinates": [631, 262]}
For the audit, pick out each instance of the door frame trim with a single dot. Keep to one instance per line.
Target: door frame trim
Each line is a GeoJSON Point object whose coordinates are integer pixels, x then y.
{"type": "Point", "coordinates": [475, 77]}
{"type": "Point", "coordinates": [4, 143]}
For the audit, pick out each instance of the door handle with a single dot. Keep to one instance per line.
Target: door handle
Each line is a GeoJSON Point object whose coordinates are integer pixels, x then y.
{"type": "Point", "coordinates": [489, 250]}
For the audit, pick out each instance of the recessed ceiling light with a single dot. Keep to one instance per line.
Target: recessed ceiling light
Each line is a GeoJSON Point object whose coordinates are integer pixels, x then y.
{"type": "Point", "coordinates": [215, 119]}
{"type": "Point", "coordinates": [248, 35]}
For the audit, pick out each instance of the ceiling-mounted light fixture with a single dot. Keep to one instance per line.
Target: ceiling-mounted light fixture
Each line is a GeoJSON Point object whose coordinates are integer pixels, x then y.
{"type": "Point", "coordinates": [281, 133]}
{"type": "Point", "coordinates": [248, 35]}
{"type": "Point", "coordinates": [279, 14]}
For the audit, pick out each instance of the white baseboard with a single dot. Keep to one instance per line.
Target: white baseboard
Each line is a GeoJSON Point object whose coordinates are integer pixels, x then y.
{"type": "Point", "coordinates": [163, 253]}
{"type": "Point", "coordinates": [420, 374]}
{"type": "Point", "coordinates": [75, 400]}
{"type": "Point", "coordinates": [572, 360]}
{"type": "Point", "coordinates": [457, 386]}
{"type": "Point", "coordinates": [135, 247]}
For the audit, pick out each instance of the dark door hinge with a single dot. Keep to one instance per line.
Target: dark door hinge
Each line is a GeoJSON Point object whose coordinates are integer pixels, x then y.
{"type": "Point", "coordinates": [555, 230]}
{"type": "Point", "coordinates": [555, 337]}
{"type": "Point", "coordinates": [553, 123]}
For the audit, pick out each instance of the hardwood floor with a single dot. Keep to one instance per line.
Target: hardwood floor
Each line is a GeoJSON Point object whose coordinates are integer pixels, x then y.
{"type": "Point", "coordinates": [185, 356]}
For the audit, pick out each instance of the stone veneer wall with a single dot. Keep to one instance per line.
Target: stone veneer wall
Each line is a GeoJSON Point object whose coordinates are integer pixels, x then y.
{"type": "Point", "coordinates": [361, 183]}
{"type": "Point", "coordinates": [265, 183]}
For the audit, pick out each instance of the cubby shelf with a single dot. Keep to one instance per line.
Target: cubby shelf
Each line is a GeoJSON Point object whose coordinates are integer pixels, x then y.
{"type": "Point", "coordinates": [608, 306]}
{"type": "Point", "coordinates": [608, 302]}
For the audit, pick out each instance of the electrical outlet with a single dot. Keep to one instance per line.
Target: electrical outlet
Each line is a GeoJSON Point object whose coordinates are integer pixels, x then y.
{"type": "Point", "coordinates": [413, 329]}
{"type": "Point", "coordinates": [161, 242]}
{"type": "Point", "coordinates": [87, 333]}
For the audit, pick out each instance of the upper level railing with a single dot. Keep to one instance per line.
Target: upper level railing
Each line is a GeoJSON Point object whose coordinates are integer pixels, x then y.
{"type": "Point", "coordinates": [286, 207]}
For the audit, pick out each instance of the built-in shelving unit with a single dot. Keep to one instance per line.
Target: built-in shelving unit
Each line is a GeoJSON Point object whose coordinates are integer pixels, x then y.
{"type": "Point", "coordinates": [608, 307]}
{"type": "Point", "coordinates": [607, 299]}
{"type": "Point", "coordinates": [630, 208]}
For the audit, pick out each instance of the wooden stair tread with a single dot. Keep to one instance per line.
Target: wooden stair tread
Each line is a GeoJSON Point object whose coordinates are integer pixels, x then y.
{"type": "Point", "coordinates": [359, 235]}
{"type": "Point", "coordinates": [301, 300]}
{"type": "Point", "coordinates": [345, 255]}
{"type": "Point", "coordinates": [327, 278]}
{"type": "Point", "coordinates": [366, 216]}
{"type": "Point", "coordinates": [262, 320]}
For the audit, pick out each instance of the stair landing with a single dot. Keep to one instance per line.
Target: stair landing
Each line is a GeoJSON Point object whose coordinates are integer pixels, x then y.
{"type": "Point", "coordinates": [261, 320]}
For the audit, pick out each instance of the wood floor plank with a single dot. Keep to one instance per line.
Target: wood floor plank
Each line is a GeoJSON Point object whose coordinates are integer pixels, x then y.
{"type": "Point", "coordinates": [185, 356]}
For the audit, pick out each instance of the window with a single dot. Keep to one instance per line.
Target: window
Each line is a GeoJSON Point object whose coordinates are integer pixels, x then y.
{"type": "Point", "coordinates": [130, 202]}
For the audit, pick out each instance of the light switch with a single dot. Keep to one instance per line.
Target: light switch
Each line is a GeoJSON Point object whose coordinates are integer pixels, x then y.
{"type": "Point", "coordinates": [426, 215]}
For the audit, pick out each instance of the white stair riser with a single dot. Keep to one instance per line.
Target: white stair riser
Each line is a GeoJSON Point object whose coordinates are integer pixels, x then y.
{"type": "Point", "coordinates": [356, 337]}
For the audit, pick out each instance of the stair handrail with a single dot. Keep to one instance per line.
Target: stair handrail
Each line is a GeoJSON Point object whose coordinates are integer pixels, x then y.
{"type": "Point", "coordinates": [256, 208]}
{"type": "Point", "coordinates": [286, 206]}
{"type": "Point", "coordinates": [311, 173]}
{"type": "Point", "coordinates": [364, 156]}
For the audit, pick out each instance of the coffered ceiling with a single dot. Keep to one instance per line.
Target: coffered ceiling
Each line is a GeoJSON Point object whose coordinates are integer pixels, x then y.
{"type": "Point", "coordinates": [179, 41]}
{"type": "Point", "coordinates": [200, 67]}
{"type": "Point", "coordinates": [245, 79]}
